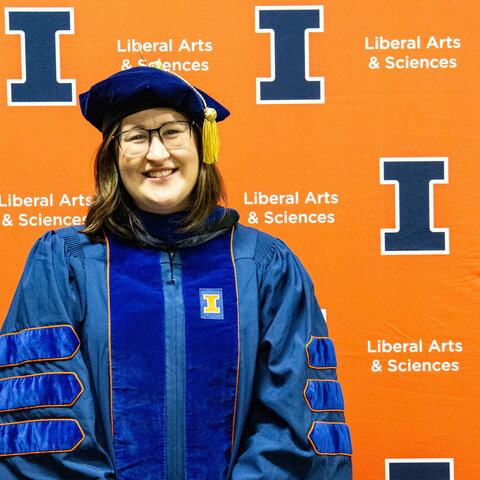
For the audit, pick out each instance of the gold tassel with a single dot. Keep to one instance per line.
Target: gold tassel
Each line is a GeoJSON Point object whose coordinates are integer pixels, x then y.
{"type": "Point", "coordinates": [156, 64]}
{"type": "Point", "coordinates": [210, 139]}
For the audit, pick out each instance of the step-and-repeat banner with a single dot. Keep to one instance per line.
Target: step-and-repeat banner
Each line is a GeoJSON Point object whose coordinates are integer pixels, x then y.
{"type": "Point", "coordinates": [353, 137]}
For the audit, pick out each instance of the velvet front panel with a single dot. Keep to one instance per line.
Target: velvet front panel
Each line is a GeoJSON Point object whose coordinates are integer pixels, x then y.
{"type": "Point", "coordinates": [137, 361]}
{"type": "Point", "coordinates": [211, 344]}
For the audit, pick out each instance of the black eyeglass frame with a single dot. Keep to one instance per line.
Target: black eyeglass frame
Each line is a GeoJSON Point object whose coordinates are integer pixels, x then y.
{"type": "Point", "coordinates": [190, 124]}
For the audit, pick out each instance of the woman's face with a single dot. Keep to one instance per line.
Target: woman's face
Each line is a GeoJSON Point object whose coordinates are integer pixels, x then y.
{"type": "Point", "coordinates": [161, 180]}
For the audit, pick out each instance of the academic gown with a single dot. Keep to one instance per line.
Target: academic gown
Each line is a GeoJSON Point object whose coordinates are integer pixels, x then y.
{"type": "Point", "coordinates": [204, 358]}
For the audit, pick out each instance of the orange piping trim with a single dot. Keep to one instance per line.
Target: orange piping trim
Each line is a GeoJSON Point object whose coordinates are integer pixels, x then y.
{"type": "Point", "coordinates": [43, 359]}
{"type": "Point", "coordinates": [308, 355]}
{"type": "Point", "coordinates": [109, 334]}
{"type": "Point", "coordinates": [47, 451]}
{"type": "Point", "coordinates": [306, 399]}
{"type": "Point", "coordinates": [44, 406]}
{"type": "Point", "coordinates": [238, 337]}
{"type": "Point", "coordinates": [313, 445]}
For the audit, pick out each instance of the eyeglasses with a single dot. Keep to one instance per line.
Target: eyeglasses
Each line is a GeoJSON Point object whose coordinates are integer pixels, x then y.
{"type": "Point", "coordinates": [136, 142]}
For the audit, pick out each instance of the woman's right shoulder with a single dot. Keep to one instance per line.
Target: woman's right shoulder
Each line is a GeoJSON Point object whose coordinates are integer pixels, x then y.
{"type": "Point", "coordinates": [69, 242]}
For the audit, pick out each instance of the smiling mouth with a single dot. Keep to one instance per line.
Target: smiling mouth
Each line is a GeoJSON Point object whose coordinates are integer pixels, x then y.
{"type": "Point", "coordinates": [160, 173]}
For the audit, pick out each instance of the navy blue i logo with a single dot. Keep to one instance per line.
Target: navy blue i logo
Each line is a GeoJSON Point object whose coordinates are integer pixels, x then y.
{"type": "Point", "coordinates": [414, 232]}
{"type": "Point", "coordinates": [40, 30]}
{"type": "Point", "coordinates": [290, 80]}
{"type": "Point", "coordinates": [419, 469]}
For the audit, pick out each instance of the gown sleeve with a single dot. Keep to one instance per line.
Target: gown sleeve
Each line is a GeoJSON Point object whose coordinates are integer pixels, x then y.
{"type": "Point", "coordinates": [296, 428]}
{"type": "Point", "coordinates": [48, 428]}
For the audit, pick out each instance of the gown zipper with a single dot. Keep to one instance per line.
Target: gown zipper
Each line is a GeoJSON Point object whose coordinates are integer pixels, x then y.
{"type": "Point", "coordinates": [175, 367]}
{"type": "Point", "coordinates": [170, 256]}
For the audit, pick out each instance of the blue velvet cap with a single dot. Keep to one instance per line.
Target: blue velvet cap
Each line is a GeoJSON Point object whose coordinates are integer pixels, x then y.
{"type": "Point", "coordinates": [140, 88]}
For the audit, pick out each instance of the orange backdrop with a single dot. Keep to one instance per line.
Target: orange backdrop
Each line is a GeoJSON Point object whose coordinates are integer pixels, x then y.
{"type": "Point", "coordinates": [325, 157]}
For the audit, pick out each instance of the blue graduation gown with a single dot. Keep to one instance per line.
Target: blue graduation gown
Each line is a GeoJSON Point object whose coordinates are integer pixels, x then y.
{"type": "Point", "coordinates": [55, 378]}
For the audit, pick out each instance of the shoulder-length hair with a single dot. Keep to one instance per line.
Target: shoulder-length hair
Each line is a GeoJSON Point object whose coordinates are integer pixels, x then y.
{"type": "Point", "coordinates": [113, 210]}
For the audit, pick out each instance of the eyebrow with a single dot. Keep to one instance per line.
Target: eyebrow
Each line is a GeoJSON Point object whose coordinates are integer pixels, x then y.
{"type": "Point", "coordinates": [141, 125]}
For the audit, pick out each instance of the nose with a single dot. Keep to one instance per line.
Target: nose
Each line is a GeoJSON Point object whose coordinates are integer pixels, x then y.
{"type": "Point", "coordinates": [157, 150]}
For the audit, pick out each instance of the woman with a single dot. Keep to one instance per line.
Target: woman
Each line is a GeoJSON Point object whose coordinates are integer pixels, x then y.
{"type": "Point", "coordinates": [164, 340]}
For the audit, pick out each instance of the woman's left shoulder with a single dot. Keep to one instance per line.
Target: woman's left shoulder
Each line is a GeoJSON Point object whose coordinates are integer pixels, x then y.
{"type": "Point", "coordinates": [260, 246]}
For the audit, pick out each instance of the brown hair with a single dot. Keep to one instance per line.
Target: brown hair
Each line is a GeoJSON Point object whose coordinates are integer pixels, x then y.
{"type": "Point", "coordinates": [113, 210]}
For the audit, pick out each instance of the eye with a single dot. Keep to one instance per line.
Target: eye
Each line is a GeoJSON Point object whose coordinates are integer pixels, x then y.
{"type": "Point", "coordinates": [135, 136]}
{"type": "Point", "coordinates": [174, 129]}
{"type": "Point", "coordinates": [171, 132]}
